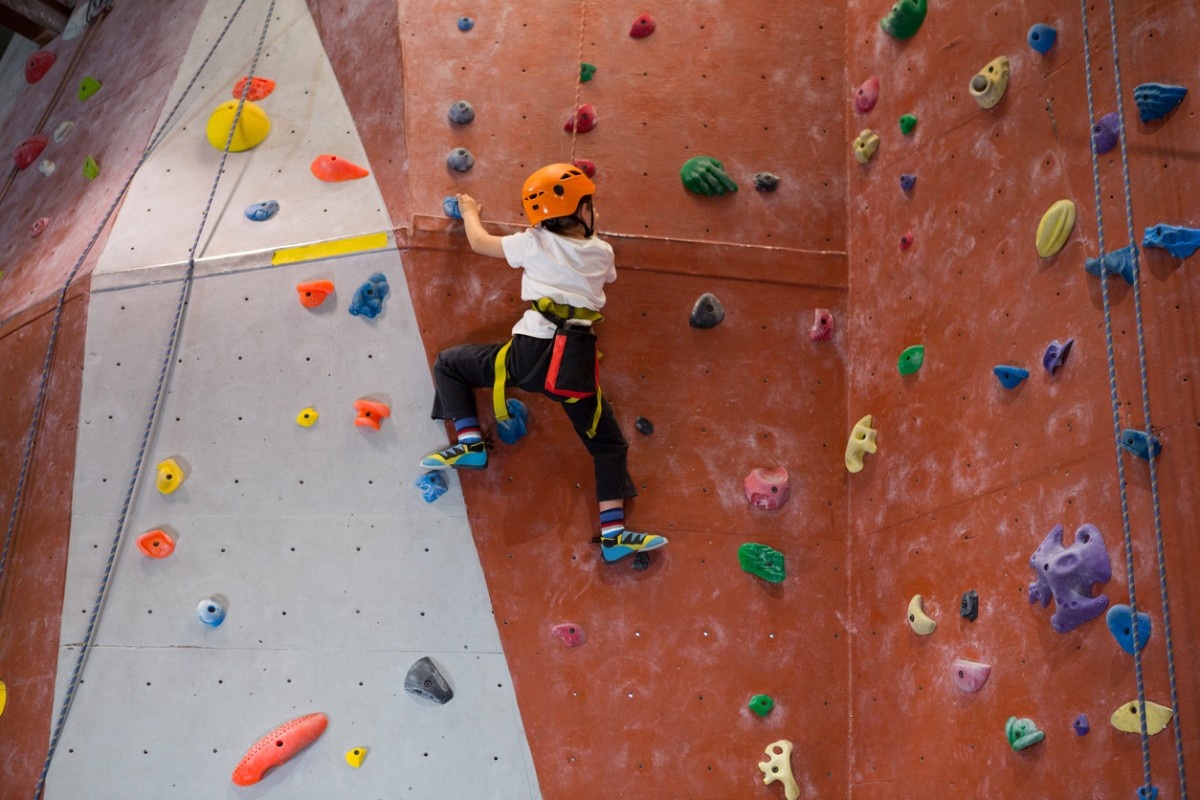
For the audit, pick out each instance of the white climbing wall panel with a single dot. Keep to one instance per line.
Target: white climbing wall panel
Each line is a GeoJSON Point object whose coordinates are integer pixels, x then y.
{"type": "Point", "coordinates": [337, 575]}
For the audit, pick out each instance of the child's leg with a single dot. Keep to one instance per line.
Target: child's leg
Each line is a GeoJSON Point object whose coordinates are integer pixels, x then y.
{"type": "Point", "coordinates": [457, 372]}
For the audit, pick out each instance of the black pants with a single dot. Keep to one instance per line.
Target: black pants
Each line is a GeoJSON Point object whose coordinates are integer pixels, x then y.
{"type": "Point", "coordinates": [460, 370]}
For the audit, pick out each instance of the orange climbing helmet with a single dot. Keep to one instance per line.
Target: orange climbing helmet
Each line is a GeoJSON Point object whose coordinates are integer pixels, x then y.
{"type": "Point", "coordinates": [554, 191]}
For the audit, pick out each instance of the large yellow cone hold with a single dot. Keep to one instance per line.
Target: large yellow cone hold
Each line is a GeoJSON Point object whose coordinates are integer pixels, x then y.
{"type": "Point", "coordinates": [253, 126]}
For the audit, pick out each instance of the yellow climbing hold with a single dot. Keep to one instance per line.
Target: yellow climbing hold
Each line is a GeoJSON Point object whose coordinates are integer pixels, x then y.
{"type": "Point", "coordinates": [307, 417]}
{"type": "Point", "coordinates": [1055, 228]}
{"type": "Point", "coordinates": [918, 620]}
{"type": "Point", "coordinates": [3, 697]}
{"type": "Point", "coordinates": [1126, 718]}
{"type": "Point", "coordinates": [355, 757]}
{"type": "Point", "coordinates": [253, 126]}
{"type": "Point", "coordinates": [170, 476]}
{"type": "Point", "coordinates": [862, 441]}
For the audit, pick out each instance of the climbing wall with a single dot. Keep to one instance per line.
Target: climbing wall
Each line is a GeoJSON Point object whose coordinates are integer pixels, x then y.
{"type": "Point", "coordinates": [970, 477]}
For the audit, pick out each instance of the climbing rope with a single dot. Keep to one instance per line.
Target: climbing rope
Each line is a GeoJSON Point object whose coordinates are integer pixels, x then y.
{"type": "Point", "coordinates": [578, 77]}
{"type": "Point", "coordinates": [164, 372]}
{"type": "Point", "coordinates": [1147, 790]}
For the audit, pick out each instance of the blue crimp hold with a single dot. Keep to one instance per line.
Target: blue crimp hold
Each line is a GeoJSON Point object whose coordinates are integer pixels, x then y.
{"type": "Point", "coordinates": [450, 206]}
{"type": "Point", "coordinates": [1119, 262]}
{"type": "Point", "coordinates": [1120, 624]}
{"type": "Point", "coordinates": [1180, 241]}
{"type": "Point", "coordinates": [1156, 100]}
{"type": "Point", "coordinates": [433, 484]}
{"type": "Point", "coordinates": [1141, 444]}
{"type": "Point", "coordinates": [1041, 37]}
{"type": "Point", "coordinates": [260, 212]}
{"type": "Point", "coordinates": [1147, 793]}
{"type": "Point", "coordinates": [512, 429]}
{"type": "Point", "coordinates": [1010, 377]}
{"type": "Point", "coordinates": [368, 298]}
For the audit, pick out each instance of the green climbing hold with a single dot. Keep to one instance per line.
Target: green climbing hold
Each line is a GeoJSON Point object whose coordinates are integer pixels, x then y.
{"type": "Point", "coordinates": [90, 168]}
{"type": "Point", "coordinates": [761, 704]}
{"type": "Point", "coordinates": [706, 175]}
{"type": "Point", "coordinates": [763, 561]}
{"type": "Point", "coordinates": [907, 123]}
{"type": "Point", "coordinates": [586, 71]}
{"type": "Point", "coordinates": [905, 18]}
{"type": "Point", "coordinates": [1022, 733]}
{"type": "Point", "coordinates": [87, 87]}
{"type": "Point", "coordinates": [911, 359]}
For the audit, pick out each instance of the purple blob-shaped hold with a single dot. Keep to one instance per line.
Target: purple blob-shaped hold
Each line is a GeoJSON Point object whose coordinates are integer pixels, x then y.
{"type": "Point", "coordinates": [1081, 725]}
{"type": "Point", "coordinates": [1056, 355]}
{"type": "Point", "coordinates": [908, 181]}
{"type": "Point", "coordinates": [1068, 573]}
{"type": "Point", "coordinates": [1104, 135]}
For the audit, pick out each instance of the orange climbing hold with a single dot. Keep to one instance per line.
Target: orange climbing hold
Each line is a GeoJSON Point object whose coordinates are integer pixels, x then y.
{"type": "Point", "coordinates": [333, 169]}
{"type": "Point", "coordinates": [371, 413]}
{"type": "Point", "coordinates": [313, 293]}
{"type": "Point", "coordinates": [278, 746]}
{"type": "Point", "coordinates": [259, 88]}
{"type": "Point", "coordinates": [156, 544]}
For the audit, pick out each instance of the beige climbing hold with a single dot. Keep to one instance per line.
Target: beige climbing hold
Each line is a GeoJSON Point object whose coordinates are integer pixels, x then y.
{"type": "Point", "coordinates": [1055, 228]}
{"type": "Point", "coordinates": [988, 85]}
{"type": "Point", "coordinates": [170, 476]}
{"type": "Point", "coordinates": [1126, 718]}
{"type": "Point", "coordinates": [779, 768]}
{"type": "Point", "coordinates": [918, 620]}
{"type": "Point", "coordinates": [862, 441]}
{"type": "Point", "coordinates": [355, 757]}
{"type": "Point", "coordinates": [865, 145]}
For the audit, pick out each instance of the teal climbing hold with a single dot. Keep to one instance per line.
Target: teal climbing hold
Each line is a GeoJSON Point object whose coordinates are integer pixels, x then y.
{"type": "Point", "coordinates": [763, 561]}
{"type": "Point", "coordinates": [1010, 377]}
{"type": "Point", "coordinates": [1141, 444]}
{"type": "Point", "coordinates": [1022, 733]}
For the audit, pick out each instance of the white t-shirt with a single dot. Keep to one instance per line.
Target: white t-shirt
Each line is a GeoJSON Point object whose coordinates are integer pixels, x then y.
{"type": "Point", "coordinates": [571, 271]}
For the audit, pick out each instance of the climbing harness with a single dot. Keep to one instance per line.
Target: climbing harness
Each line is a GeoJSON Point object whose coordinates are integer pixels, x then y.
{"type": "Point", "coordinates": [164, 372]}
{"type": "Point", "coordinates": [1147, 791]}
{"type": "Point", "coordinates": [574, 371]}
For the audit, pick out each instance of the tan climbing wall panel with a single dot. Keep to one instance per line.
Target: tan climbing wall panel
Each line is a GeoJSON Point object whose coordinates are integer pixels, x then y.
{"type": "Point", "coordinates": [970, 477]}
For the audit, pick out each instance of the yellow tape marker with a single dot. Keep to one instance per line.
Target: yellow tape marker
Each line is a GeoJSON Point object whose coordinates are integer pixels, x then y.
{"type": "Point", "coordinates": [336, 247]}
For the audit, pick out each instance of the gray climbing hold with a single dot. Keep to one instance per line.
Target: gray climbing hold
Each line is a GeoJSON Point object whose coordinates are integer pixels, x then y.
{"type": "Point", "coordinates": [1156, 100]}
{"type": "Point", "coordinates": [425, 680]}
{"type": "Point", "coordinates": [766, 181]}
{"type": "Point", "coordinates": [460, 159]}
{"type": "Point", "coordinates": [707, 312]}
{"type": "Point", "coordinates": [461, 113]}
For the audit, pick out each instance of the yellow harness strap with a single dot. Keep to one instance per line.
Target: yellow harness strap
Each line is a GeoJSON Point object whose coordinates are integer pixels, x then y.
{"type": "Point", "coordinates": [564, 312]}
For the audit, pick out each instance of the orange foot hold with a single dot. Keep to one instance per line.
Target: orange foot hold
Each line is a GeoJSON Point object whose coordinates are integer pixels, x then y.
{"type": "Point", "coordinates": [371, 413]}
{"type": "Point", "coordinates": [259, 88]}
{"type": "Point", "coordinates": [313, 293]}
{"type": "Point", "coordinates": [333, 169]}
{"type": "Point", "coordinates": [277, 747]}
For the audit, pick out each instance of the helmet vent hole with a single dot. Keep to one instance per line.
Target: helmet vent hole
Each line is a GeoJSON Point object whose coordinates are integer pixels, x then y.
{"type": "Point", "coordinates": [559, 190]}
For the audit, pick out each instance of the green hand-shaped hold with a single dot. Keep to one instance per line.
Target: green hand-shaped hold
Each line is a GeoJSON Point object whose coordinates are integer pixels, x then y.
{"type": "Point", "coordinates": [706, 175]}
{"type": "Point", "coordinates": [1022, 733]}
{"type": "Point", "coordinates": [905, 18]}
{"type": "Point", "coordinates": [763, 561]}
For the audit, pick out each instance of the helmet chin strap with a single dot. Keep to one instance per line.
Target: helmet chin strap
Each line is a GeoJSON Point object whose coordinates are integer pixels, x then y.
{"type": "Point", "coordinates": [589, 227]}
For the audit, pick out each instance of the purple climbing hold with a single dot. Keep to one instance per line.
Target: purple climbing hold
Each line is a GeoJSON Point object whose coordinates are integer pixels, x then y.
{"type": "Point", "coordinates": [907, 182]}
{"type": "Point", "coordinates": [1056, 354]}
{"type": "Point", "coordinates": [1106, 132]}
{"type": "Point", "coordinates": [1081, 725]}
{"type": "Point", "coordinates": [1068, 573]}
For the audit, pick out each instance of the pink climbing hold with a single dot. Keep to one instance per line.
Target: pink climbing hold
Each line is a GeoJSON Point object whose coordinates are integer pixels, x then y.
{"type": "Point", "coordinates": [822, 328]}
{"type": "Point", "coordinates": [571, 634]}
{"type": "Point", "coordinates": [767, 489]}
{"type": "Point", "coordinates": [35, 230]}
{"type": "Point", "coordinates": [868, 95]}
{"type": "Point", "coordinates": [332, 169]}
{"type": "Point", "coordinates": [28, 151]}
{"type": "Point", "coordinates": [906, 240]}
{"type": "Point", "coordinates": [583, 120]}
{"type": "Point", "coordinates": [38, 65]}
{"type": "Point", "coordinates": [643, 26]}
{"type": "Point", "coordinates": [259, 88]}
{"type": "Point", "coordinates": [588, 167]}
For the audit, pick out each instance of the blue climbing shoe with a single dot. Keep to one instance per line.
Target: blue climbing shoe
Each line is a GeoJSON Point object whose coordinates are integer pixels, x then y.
{"type": "Point", "coordinates": [458, 456]}
{"type": "Point", "coordinates": [627, 543]}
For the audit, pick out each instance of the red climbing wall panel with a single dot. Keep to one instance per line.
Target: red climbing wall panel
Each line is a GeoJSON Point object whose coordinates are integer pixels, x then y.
{"type": "Point", "coordinates": [969, 476]}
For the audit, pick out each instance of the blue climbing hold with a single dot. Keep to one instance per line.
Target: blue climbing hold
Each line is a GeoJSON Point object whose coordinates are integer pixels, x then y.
{"type": "Point", "coordinates": [1181, 242]}
{"type": "Point", "coordinates": [465, 24]}
{"type": "Point", "coordinates": [1106, 133]}
{"type": "Point", "coordinates": [368, 298]}
{"type": "Point", "coordinates": [1119, 262]}
{"type": "Point", "coordinates": [433, 484]}
{"type": "Point", "coordinates": [1081, 725]}
{"type": "Point", "coordinates": [211, 611]}
{"type": "Point", "coordinates": [1120, 624]}
{"type": "Point", "coordinates": [907, 182]}
{"type": "Point", "coordinates": [1141, 444]}
{"type": "Point", "coordinates": [1147, 793]}
{"type": "Point", "coordinates": [460, 159]}
{"type": "Point", "coordinates": [260, 212]}
{"type": "Point", "coordinates": [1156, 100]}
{"type": "Point", "coordinates": [1010, 377]}
{"type": "Point", "coordinates": [1041, 37]}
{"type": "Point", "coordinates": [512, 429]}
{"type": "Point", "coordinates": [461, 113]}
{"type": "Point", "coordinates": [450, 206]}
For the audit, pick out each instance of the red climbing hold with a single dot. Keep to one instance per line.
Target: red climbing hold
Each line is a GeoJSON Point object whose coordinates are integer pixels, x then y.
{"type": "Point", "coordinates": [767, 489]}
{"type": "Point", "coordinates": [906, 240]}
{"type": "Point", "coordinates": [35, 230]}
{"type": "Point", "coordinates": [643, 26]}
{"type": "Point", "coordinates": [588, 167]}
{"type": "Point", "coordinates": [38, 65]}
{"type": "Point", "coordinates": [333, 169]}
{"type": "Point", "coordinates": [259, 88]}
{"type": "Point", "coordinates": [822, 327]}
{"type": "Point", "coordinates": [868, 95]}
{"type": "Point", "coordinates": [583, 120]}
{"type": "Point", "coordinates": [28, 150]}
{"type": "Point", "coordinates": [277, 747]}
{"type": "Point", "coordinates": [156, 544]}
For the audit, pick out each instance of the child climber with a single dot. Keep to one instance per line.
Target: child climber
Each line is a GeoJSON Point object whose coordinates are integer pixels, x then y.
{"type": "Point", "coordinates": [565, 267]}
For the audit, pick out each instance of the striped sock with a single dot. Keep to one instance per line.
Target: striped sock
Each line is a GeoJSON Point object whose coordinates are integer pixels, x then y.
{"type": "Point", "coordinates": [612, 522]}
{"type": "Point", "coordinates": [468, 430]}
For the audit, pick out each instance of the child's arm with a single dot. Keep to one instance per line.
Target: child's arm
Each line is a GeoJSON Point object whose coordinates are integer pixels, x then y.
{"type": "Point", "coordinates": [481, 241]}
